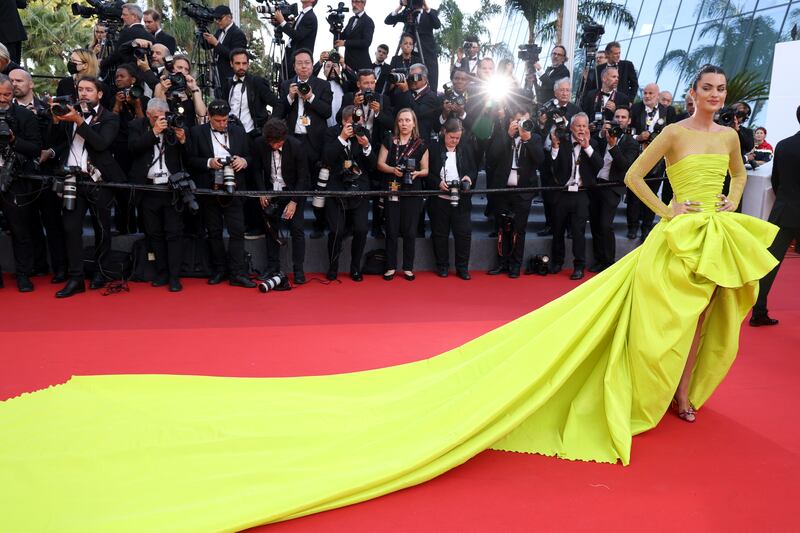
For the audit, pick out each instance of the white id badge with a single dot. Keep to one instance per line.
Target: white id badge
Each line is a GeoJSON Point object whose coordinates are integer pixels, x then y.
{"type": "Point", "coordinates": [305, 120]}
{"type": "Point", "coordinates": [160, 178]}
{"type": "Point", "coordinates": [572, 188]}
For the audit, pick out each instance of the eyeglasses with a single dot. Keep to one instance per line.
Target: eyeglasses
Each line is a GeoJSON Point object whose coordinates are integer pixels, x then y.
{"type": "Point", "coordinates": [557, 54]}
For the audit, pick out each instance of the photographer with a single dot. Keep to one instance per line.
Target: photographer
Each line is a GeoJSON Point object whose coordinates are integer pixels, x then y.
{"type": "Point", "coordinates": [546, 78]}
{"type": "Point", "coordinates": [227, 37]}
{"type": "Point", "coordinates": [185, 97]}
{"type": "Point", "coordinates": [516, 152]}
{"type": "Point", "coordinates": [133, 29]}
{"type": "Point", "coordinates": [415, 94]}
{"type": "Point", "coordinates": [302, 33]}
{"type": "Point", "coordinates": [340, 78]}
{"type": "Point", "coordinates": [350, 157]}
{"type": "Point", "coordinates": [357, 37]}
{"type": "Point", "coordinates": [81, 64]}
{"type": "Point", "coordinates": [381, 68]}
{"type": "Point", "coordinates": [467, 57]}
{"type": "Point", "coordinates": [12, 32]}
{"type": "Point", "coordinates": [248, 95]}
{"type": "Point", "coordinates": [306, 106]}
{"type": "Point", "coordinates": [46, 209]}
{"type": "Point", "coordinates": [419, 20]}
{"type": "Point", "coordinates": [158, 149]}
{"type": "Point", "coordinates": [648, 118]}
{"type": "Point", "coordinates": [407, 56]}
{"type": "Point", "coordinates": [599, 105]}
{"type": "Point", "coordinates": [20, 145]}
{"type": "Point", "coordinates": [99, 40]}
{"type": "Point", "coordinates": [760, 154]}
{"type": "Point", "coordinates": [281, 165]}
{"type": "Point", "coordinates": [574, 166]}
{"type": "Point", "coordinates": [81, 139]}
{"type": "Point", "coordinates": [403, 159]}
{"type": "Point", "coordinates": [377, 116]}
{"type": "Point", "coordinates": [453, 168]}
{"type": "Point", "coordinates": [619, 150]}
{"type": "Point", "coordinates": [152, 23]}
{"type": "Point", "coordinates": [628, 79]}
{"type": "Point", "coordinates": [219, 154]}
{"type": "Point", "coordinates": [454, 100]}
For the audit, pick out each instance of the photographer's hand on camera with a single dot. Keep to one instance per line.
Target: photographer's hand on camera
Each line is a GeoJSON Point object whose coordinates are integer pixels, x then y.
{"type": "Point", "coordinates": [643, 137]}
{"type": "Point", "coordinates": [238, 164]}
{"type": "Point", "coordinates": [160, 126]}
{"type": "Point", "coordinates": [214, 164]}
{"type": "Point", "coordinates": [210, 39]}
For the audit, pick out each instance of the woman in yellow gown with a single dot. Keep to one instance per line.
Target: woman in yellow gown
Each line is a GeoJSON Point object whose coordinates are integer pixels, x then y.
{"type": "Point", "coordinates": [190, 453]}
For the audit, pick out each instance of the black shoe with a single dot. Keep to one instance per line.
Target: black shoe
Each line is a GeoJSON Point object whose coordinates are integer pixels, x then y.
{"type": "Point", "coordinates": [764, 320]}
{"type": "Point", "coordinates": [160, 281]}
{"type": "Point", "coordinates": [555, 268]}
{"type": "Point", "coordinates": [299, 277]}
{"type": "Point", "coordinates": [499, 269]}
{"type": "Point", "coordinates": [441, 272]}
{"type": "Point", "coordinates": [59, 277]}
{"type": "Point", "coordinates": [545, 232]}
{"type": "Point", "coordinates": [242, 281]}
{"type": "Point", "coordinates": [463, 274]}
{"type": "Point", "coordinates": [513, 273]}
{"type": "Point", "coordinates": [389, 277]}
{"type": "Point", "coordinates": [356, 276]}
{"type": "Point", "coordinates": [24, 283]}
{"type": "Point", "coordinates": [316, 234]}
{"type": "Point", "coordinates": [98, 281]}
{"type": "Point", "coordinates": [175, 285]}
{"type": "Point", "coordinates": [73, 286]}
{"type": "Point", "coordinates": [597, 267]}
{"type": "Point", "coordinates": [409, 277]}
{"type": "Point", "coordinates": [217, 278]}
{"type": "Point", "coordinates": [576, 274]}
{"type": "Point", "coordinates": [331, 275]}
{"type": "Point", "coordinates": [631, 234]}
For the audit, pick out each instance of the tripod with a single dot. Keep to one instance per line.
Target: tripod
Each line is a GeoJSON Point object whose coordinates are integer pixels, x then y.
{"type": "Point", "coordinates": [107, 47]}
{"type": "Point", "coordinates": [203, 59]}
{"type": "Point", "coordinates": [591, 65]}
{"type": "Point", "coordinates": [277, 54]}
{"type": "Point", "coordinates": [411, 23]}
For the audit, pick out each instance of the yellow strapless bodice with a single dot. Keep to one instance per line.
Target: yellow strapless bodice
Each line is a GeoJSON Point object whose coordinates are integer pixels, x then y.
{"type": "Point", "coordinates": [699, 178]}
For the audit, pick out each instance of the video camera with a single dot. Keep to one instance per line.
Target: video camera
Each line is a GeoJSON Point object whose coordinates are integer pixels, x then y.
{"type": "Point", "coordinates": [200, 14]}
{"type": "Point", "coordinates": [335, 18]}
{"type": "Point", "coordinates": [529, 53]}
{"type": "Point", "coordinates": [592, 32]}
{"type": "Point", "coordinates": [105, 11]}
{"type": "Point", "coordinates": [182, 183]}
{"type": "Point", "coordinates": [271, 7]}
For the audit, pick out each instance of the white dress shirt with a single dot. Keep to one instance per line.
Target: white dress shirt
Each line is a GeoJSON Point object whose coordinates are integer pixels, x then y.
{"type": "Point", "coordinates": [238, 103]}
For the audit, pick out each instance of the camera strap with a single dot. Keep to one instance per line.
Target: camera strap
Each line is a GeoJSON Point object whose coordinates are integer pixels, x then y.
{"type": "Point", "coordinates": [162, 146]}
{"type": "Point", "coordinates": [223, 145]}
{"type": "Point", "coordinates": [515, 151]}
{"type": "Point", "coordinates": [410, 148]}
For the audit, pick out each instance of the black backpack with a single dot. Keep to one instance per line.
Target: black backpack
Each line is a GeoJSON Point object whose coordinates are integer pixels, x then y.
{"type": "Point", "coordinates": [374, 262]}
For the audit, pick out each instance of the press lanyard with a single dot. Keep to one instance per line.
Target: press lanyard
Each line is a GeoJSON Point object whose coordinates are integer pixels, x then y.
{"type": "Point", "coordinates": [515, 154]}
{"type": "Point", "coordinates": [223, 145]}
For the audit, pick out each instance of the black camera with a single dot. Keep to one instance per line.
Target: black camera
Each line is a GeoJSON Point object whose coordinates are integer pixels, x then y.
{"type": "Point", "coordinates": [591, 35]}
{"type": "Point", "coordinates": [350, 177]}
{"type": "Point", "coordinates": [61, 104]}
{"type": "Point", "coordinates": [538, 264]}
{"type": "Point", "coordinates": [138, 51]}
{"type": "Point", "coordinates": [200, 14]}
{"type": "Point", "coordinates": [183, 184]}
{"type": "Point", "coordinates": [228, 175]}
{"type": "Point", "coordinates": [407, 166]}
{"type": "Point", "coordinates": [335, 18]}
{"type": "Point", "coordinates": [334, 57]}
{"type": "Point", "coordinates": [451, 96]}
{"type": "Point", "coordinates": [728, 114]}
{"type": "Point", "coordinates": [529, 52]}
{"type": "Point", "coordinates": [456, 186]}
{"type": "Point", "coordinates": [175, 120]}
{"type": "Point", "coordinates": [134, 92]}
{"type": "Point", "coordinates": [177, 88]}
{"type": "Point", "coordinates": [111, 10]}
{"type": "Point", "coordinates": [616, 130]}
{"type": "Point", "coordinates": [6, 132]}
{"type": "Point", "coordinates": [303, 87]}
{"type": "Point", "coordinates": [271, 7]}
{"type": "Point", "coordinates": [360, 130]}
{"type": "Point", "coordinates": [369, 97]}
{"type": "Point", "coordinates": [526, 125]}
{"type": "Point", "coordinates": [398, 75]}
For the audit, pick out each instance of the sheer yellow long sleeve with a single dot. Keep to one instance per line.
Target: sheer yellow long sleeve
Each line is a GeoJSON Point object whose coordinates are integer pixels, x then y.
{"type": "Point", "coordinates": [677, 142]}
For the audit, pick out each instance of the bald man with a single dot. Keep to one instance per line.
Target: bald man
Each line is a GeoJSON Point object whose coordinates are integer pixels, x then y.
{"type": "Point", "coordinates": [151, 73]}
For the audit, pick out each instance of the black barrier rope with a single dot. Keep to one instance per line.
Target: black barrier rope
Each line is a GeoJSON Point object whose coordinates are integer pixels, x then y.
{"type": "Point", "coordinates": [323, 193]}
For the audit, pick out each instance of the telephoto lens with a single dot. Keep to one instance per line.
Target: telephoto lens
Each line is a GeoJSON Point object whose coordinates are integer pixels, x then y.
{"type": "Point", "coordinates": [271, 283]}
{"type": "Point", "coordinates": [526, 125]}
{"type": "Point", "coordinates": [228, 179]}
{"type": "Point", "coordinates": [322, 184]}
{"type": "Point", "coordinates": [70, 193]}
{"type": "Point", "coordinates": [454, 186]}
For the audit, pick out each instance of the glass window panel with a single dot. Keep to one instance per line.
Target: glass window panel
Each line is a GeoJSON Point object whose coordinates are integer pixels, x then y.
{"type": "Point", "coordinates": [635, 51]}
{"type": "Point", "coordinates": [772, 3]}
{"type": "Point", "coordinates": [669, 78]}
{"type": "Point", "coordinates": [624, 33]}
{"type": "Point", "coordinates": [666, 15]}
{"type": "Point", "coordinates": [688, 13]}
{"type": "Point", "coordinates": [745, 6]}
{"type": "Point", "coordinates": [714, 10]}
{"type": "Point", "coordinates": [647, 18]}
{"type": "Point", "coordinates": [703, 49]}
{"type": "Point", "coordinates": [765, 33]}
{"type": "Point", "coordinates": [655, 51]}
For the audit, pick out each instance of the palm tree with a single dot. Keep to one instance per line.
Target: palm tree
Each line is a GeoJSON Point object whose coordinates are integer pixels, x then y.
{"type": "Point", "coordinates": [456, 26]}
{"type": "Point", "coordinates": [545, 17]}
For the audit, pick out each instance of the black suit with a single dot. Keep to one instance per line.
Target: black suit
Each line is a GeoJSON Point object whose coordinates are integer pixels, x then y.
{"type": "Point", "coordinates": [530, 155]}
{"type": "Point", "coordinates": [426, 23]}
{"type": "Point", "coordinates": [259, 96]}
{"type": "Point", "coordinates": [786, 211]}
{"type": "Point", "coordinates": [357, 41]}
{"type": "Point", "coordinates": [16, 201]}
{"type": "Point", "coordinates": [603, 201]}
{"type": "Point", "coordinates": [163, 222]}
{"type": "Point", "coordinates": [382, 77]}
{"type": "Point", "coordinates": [467, 65]}
{"type": "Point", "coordinates": [425, 104]}
{"type": "Point", "coordinates": [400, 62]}
{"type": "Point", "coordinates": [124, 54]}
{"type": "Point", "coordinates": [12, 32]}
{"type": "Point", "coordinates": [593, 104]}
{"type": "Point", "coordinates": [544, 87]}
{"type": "Point", "coordinates": [234, 38]}
{"type": "Point", "coordinates": [215, 209]}
{"type": "Point", "coordinates": [573, 207]}
{"type": "Point", "coordinates": [335, 156]}
{"type": "Point", "coordinates": [628, 80]}
{"type": "Point", "coordinates": [98, 139]}
{"type": "Point", "coordinates": [446, 218]}
{"type": "Point", "coordinates": [295, 174]}
{"type": "Point", "coordinates": [303, 34]}
{"type": "Point", "coordinates": [167, 40]}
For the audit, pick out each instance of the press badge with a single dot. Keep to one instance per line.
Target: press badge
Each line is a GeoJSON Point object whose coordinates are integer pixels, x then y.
{"type": "Point", "coordinates": [572, 188]}
{"type": "Point", "coordinates": [305, 120]}
{"type": "Point", "coordinates": [160, 178]}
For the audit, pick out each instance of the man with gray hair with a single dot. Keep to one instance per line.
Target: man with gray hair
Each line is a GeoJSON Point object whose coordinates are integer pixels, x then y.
{"type": "Point", "coordinates": [6, 63]}
{"type": "Point", "coordinates": [416, 94]}
{"type": "Point", "coordinates": [133, 29]}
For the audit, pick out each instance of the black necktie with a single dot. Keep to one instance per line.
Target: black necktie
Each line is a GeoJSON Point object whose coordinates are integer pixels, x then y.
{"type": "Point", "coordinates": [237, 81]}
{"type": "Point", "coordinates": [605, 93]}
{"type": "Point", "coordinates": [575, 143]}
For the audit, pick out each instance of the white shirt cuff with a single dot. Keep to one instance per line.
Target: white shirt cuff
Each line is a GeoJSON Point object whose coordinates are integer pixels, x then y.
{"type": "Point", "coordinates": [367, 150]}
{"type": "Point", "coordinates": [589, 150]}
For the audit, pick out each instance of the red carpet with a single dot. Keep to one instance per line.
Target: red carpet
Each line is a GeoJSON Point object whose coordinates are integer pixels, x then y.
{"type": "Point", "coordinates": [736, 469]}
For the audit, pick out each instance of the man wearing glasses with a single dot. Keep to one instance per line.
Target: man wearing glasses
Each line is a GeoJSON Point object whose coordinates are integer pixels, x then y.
{"type": "Point", "coordinates": [227, 37]}
{"type": "Point", "coordinates": [545, 78]}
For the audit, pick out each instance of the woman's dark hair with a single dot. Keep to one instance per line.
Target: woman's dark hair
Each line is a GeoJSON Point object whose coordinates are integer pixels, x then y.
{"type": "Point", "coordinates": [706, 69]}
{"type": "Point", "coordinates": [452, 125]}
{"type": "Point", "coordinates": [762, 128]}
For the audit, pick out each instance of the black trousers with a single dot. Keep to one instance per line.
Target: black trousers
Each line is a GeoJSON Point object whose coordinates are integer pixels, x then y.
{"type": "Point", "coordinates": [402, 218]}
{"type": "Point", "coordinates": [19, 211]}
{"type": "Point", "coordinates": [98, 201]}
{"type": "Point", "coordinates": [337, 210]}
{"type": "Point", "coordinates": [125, 211]}
{"type": "Point", "coordinates": [778, 249]}
{"type": "Point", "coordinates": [519, 206]}
{"type": "Point", "coordinates": [15, 51]}
{"type": "Point", "coordinates": [444, 219]}
{"type": "Point", "coordinates": [227, 213]}
{"type": "Point", "coordinates": [163, 225]}
{"type": "Point", "coordinates": [313, 166]}
{"type": "Point", "coordinates": [572, 208]}
{"type": "Point", "coordinates": [602, 208]}
{"type": "Point", "coordinates": [47, 215]}
{"type": "Point", "coordinates": [638, 213]}
{"type": "Point", "coordinates": [295, 224]}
